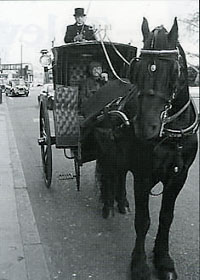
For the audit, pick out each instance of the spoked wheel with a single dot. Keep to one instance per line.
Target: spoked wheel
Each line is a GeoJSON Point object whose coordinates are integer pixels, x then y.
{"type": "Point", "coordinates": [45, 143]}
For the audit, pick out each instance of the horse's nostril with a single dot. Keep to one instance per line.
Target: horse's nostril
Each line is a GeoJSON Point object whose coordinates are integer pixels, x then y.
{"type": "Point", "coordinates": [134, 119]}
{"type": "Point", "coordinates": [154, 127]}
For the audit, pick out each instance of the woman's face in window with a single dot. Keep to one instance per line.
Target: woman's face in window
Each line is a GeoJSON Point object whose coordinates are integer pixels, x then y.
{"type": "Point", "coordinates": [96, 71]}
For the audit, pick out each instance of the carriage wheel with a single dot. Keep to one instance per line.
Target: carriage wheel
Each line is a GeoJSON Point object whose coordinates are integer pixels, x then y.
{"type": "Point", "coordinates": [77, 172]}
{"type": "Point", "coordinates": [45, 143]}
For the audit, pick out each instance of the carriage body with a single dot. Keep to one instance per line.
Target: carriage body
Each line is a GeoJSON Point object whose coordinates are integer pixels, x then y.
{"type": "Point", "coordinates": [70, 70]}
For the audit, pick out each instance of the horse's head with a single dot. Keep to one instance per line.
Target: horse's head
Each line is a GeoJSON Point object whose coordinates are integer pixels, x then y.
{"type": "Point", "coordinates": [156, 74]}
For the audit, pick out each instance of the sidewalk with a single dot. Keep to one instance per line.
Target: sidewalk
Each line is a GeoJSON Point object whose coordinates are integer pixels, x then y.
{"type": "Point", "coordinates": [21, 251]}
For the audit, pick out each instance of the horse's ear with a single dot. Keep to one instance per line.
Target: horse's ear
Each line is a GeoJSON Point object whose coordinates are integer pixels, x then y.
{"type": "Point", "coordinates": [145, 29]}
{"type": "Point", "coordinates": [173, 34]}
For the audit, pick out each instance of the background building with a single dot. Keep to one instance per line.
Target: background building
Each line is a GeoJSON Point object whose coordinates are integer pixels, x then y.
{"type": "Point", "coordinates": [15, 71]}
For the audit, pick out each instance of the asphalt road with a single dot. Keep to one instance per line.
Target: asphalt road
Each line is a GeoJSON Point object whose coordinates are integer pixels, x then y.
{"type": "Point", "coordinates": [78, 243]}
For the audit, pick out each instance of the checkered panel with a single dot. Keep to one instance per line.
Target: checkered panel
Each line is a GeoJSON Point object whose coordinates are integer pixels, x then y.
{"type": "Point", "coordinates": [77, 72]}
{"type": "Point", "coordinates": [66, 114]}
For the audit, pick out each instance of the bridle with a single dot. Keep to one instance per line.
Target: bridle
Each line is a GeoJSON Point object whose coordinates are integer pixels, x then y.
{"type": "Point", "coordinates": [165, 117]}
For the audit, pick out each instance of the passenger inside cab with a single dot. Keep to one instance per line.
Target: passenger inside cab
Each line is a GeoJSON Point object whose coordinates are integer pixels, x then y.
{"type": "Point", "coordinates": [95, 79]}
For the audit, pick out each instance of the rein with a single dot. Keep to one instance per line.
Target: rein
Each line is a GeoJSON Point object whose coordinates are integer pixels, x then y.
{"type": "Point", "coordinates": [117, 52]}
{"type": "Point", "coordinates": [110, 63]}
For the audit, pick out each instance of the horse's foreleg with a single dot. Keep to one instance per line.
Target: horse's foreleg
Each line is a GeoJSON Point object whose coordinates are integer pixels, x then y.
{"type": "Point", "coordinates": [139, 268]}
{"type": "Point", "coordinates": [103, 177]}
{"type": "Point", "coordinates": [99, 179]}
{"type": "Point", "coordinates": [121, 192]}
{"type": "Point", "coordinates": [163, 262]}
{"type": "Point", "coordinates": [109, 196]}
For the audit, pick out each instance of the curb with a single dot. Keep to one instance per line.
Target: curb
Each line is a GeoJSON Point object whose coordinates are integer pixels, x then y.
{"type": "Point", "coordinates": [35, 262]}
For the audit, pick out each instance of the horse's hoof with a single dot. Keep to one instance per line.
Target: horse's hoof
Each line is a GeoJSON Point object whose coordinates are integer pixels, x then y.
{"type": "Point", "coordinates": [140, 271]}
{"type": "Point", "coordinates": [168, 275]}
{"type": "Point", "coordinates": [165, 267]}
{"type": "Point", "coordinates": [121, 209]}
{"type": "Point", "coordinates": [143, 274]}
{"type": "Point", "coordinates": [106, 212]}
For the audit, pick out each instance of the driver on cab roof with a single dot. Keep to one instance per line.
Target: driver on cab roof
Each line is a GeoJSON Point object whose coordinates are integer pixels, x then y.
{"type": "Point", "coordinates": [79, 31]}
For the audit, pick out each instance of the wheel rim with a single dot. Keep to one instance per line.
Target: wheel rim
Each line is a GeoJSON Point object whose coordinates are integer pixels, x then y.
{"type": "Point", "coordinates": [77, 172]}
{"type": "Point", "coordinates": [46, 152]}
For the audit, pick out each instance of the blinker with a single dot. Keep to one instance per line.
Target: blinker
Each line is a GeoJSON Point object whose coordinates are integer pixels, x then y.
{"type": "Point", "coordinates": [176, 169]}
{"type": "Point", "coordinates": [153, 68]}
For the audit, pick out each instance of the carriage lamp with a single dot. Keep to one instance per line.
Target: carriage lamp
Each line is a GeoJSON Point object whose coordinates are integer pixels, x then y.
{"type": "Point", "coordinates": [45, 61]}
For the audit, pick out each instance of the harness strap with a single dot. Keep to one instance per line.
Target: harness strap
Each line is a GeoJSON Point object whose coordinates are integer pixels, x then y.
{"type": "Point", "coordinates": [187, 131]}
{"type": "Point", "coordinates": [115, 108]}
{"type": "Point", "coordinates": [117, 52]}
{"type": "Point", "coordinates": [161, 52]}
{"type": "Point", "coordinates": [121, 115]}
{"type": "Point", "coordinates": [176, 115]}
{"type": "Point", "coordinates": [110, 64]}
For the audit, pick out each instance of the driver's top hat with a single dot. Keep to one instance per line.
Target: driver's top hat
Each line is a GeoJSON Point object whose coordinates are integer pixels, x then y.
{"type": "Point", "coordinates": [79, 12]}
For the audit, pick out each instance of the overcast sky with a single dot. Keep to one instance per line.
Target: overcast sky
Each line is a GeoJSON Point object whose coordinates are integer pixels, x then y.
{"type": "Point", "coordinates": [34, 24]}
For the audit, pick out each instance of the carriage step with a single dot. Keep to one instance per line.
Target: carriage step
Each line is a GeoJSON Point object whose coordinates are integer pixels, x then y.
{"type": "Point", "coordinates": [53, 140]}
{"type": "Point", "coordinates": [42, 141]}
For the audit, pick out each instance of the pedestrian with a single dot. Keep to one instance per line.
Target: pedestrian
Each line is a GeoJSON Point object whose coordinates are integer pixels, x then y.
{"type": "Point", "coordinates": [79, 31]}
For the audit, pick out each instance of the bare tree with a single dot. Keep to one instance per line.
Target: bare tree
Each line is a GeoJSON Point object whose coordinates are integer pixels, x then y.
{"type": "Point", "coordinates": [191, 24]}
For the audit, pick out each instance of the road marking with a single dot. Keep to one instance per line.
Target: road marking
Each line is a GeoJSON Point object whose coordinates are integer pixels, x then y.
{"type": "Point", "coordinates": [67, 176]}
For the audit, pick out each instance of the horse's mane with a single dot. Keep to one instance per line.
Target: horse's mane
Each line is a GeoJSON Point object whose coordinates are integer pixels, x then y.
{"type": "Point", "coordinates": [184, 61]}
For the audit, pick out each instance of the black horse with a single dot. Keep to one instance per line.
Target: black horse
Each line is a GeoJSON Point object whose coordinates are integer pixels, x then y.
{"type": "Point", "coordinates": [165, 124]}
{"type": "Point", "coordinates": [159, 144]}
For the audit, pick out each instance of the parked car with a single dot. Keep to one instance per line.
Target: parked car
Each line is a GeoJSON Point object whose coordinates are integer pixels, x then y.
{"type": "Point", "coordinates": [17, 88]}
{"type": "Point", "coordinates": [48, 92]}
{"type": "Point", "coordinates": [20, 90]}
{"type": "Point", "coordinates": [8, 90]}
{"type": "Point", "coordinates": [3, 87]}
